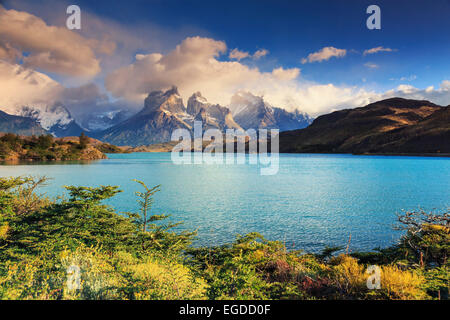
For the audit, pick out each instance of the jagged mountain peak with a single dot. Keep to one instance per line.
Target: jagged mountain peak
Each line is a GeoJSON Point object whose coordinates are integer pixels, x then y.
{"type": "Point", "coordinates": [212, 115]}
{"type": "Point", "coordinates": [169, 101]}
{"type": "Point", "coordinates": [195, 103]}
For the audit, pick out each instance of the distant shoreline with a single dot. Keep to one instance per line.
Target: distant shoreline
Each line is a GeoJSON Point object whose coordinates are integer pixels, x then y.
{"type": "Point", "coordinates": [442, 155]}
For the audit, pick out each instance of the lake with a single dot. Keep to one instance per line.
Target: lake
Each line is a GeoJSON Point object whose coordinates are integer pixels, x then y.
{"type": "Point", "coordinates": [315, 200]}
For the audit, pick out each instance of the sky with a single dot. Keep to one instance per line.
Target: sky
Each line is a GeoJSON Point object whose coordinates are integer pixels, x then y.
{"type": "Point", "coordinates": [317, 56]}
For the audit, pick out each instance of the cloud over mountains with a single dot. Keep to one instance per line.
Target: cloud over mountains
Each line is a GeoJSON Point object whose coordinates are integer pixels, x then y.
{"type": "Point", "coordinates": [49, 48]}
{"type": "Point", "coordinates": [192, 65]}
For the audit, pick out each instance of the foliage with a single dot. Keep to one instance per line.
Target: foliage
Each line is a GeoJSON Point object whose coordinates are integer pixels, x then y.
{"type": "Point", "coordinates": [44, 147]}
{"type": "Point", "coordinates": [398, 284]}
{"type": "Point", "coordinates": [117, 275]}
{"type": "Point", "coordinates": [138, 256]}
{"type": "Point", "coordinates": [249, 268]}
{"type": "Point", "coordinates": [350, 278]}
{"type": "Point", "coordinates": [157, 276]}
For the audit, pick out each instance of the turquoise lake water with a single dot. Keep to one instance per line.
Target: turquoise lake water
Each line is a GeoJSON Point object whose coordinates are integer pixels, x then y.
{"type": "Point", "coordinates": [313, 201]}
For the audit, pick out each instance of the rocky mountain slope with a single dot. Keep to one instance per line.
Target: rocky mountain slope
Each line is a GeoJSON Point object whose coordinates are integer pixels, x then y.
{"type": "Point", "coordinates": [390, 126]}
{"type": "Point", "coordinates": [212, 116]}
{"type": "Point", "coordinates": [99, 121]}
{"type": "Point", "coordinates": [20, 125]}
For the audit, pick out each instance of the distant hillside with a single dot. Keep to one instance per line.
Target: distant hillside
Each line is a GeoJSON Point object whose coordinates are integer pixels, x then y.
{"type": "Point", "coordinates": [20, 125]}
{"type": "Point", "coordinates": [45, 147]}
{"type": "Point", "coordinates": [390, 126]}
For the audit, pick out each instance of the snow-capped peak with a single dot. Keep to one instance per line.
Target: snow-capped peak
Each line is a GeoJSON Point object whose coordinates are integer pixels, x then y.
{"type": "Point", "coordinates": [47, 116]}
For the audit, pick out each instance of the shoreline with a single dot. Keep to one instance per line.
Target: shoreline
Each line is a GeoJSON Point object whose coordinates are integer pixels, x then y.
{"type": "Point", "coordinates": [88, 161]}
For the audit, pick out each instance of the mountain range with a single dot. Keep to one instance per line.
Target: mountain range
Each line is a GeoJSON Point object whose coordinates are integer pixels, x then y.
{"type": "Point", "coordinates": [164, 112]}
{"type": "Point", "coordinates": [392, 126]}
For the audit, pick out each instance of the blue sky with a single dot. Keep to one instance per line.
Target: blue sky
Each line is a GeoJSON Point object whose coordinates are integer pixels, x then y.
{"type": "Point", "coordinates": [414, 38]}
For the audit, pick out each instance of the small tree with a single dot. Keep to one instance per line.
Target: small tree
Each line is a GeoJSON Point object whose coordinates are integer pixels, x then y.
{"type": "Point", "coordinates": [84, 140]}
{"type": "Point", "coordinates": [153, 235]}
{"type": "Point", "coordinates": [45, 141]}
{"type": "Point", "coordinates": [427, 238]}
{"type": "Point", "coordinates": [145, 203]}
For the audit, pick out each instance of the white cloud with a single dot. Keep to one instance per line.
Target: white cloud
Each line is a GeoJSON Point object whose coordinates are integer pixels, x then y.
{"type": "Point", "coordinates": [260, 53]}
{"type": "Point", "coordinates": [324, 54]}
{"type": "Point", "coordinates": [238, 55]}
{"type": "Point", "coordinates": [286, 74]}
{"type": "Point", "coordinates": [8, 53]}
{"type": "Point", "coordinates": [49, 48]}
{"type": "Point", "coordinates": [439, 96]}
{"type": "Point", "coordinates": [377, 49]}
